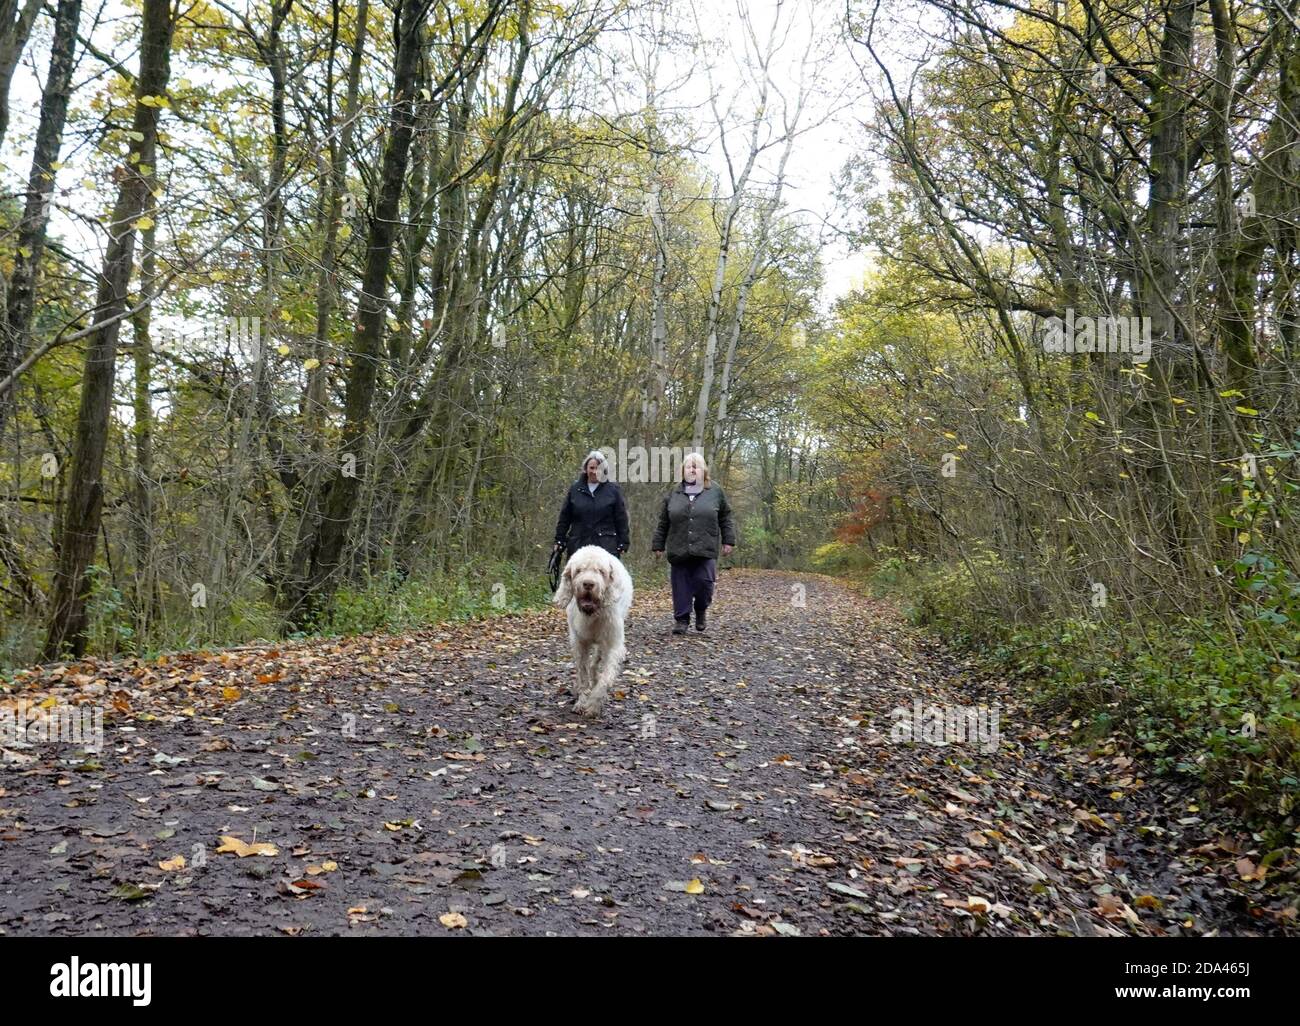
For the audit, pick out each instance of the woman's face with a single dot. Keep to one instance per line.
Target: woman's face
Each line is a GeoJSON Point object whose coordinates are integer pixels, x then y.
{"type": "Point", "coordinates": [691, 471]}
{"type": "Point", "coordinates": [593, 470]}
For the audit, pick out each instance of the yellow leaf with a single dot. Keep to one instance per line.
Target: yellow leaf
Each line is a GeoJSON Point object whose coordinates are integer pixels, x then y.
{"type": "Point", "coordinates": [243, 849]}
{"type": "Point", "coordinates": [453, 920]}
{"type": "Point", "coordinates": [144, 224]}
{"type": "Point", "coordinates": [283, 350]}
{"type": "Point", "coordinates": [695, 887]}
{"type": "Point", "coordinates": [311, 364]}
{"type": "Point", "coordinates": [172, 864]}
{"type": "Point", "coordinates": [49, 703]}
{"type": "Point", "coordinates": [231, 694]}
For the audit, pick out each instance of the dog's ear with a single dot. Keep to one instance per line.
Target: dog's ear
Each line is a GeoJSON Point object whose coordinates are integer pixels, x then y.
{"type": "Point", "coordinates": [564, 593]}
{"type": "Point", "coordinates": [615, 582]}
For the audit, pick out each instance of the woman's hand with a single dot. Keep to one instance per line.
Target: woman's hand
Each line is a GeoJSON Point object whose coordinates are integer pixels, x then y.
{"type": "Point", "coordinates": [658, 553]}
{"type": "Point", "coordinates": [726, 550]}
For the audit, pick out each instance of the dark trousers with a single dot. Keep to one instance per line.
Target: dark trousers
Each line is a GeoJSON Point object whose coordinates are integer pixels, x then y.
{"type": "Point", "coordinates": [693, 583]}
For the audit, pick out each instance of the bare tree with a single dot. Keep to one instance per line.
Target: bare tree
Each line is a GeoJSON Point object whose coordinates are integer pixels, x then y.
{"type": "Point", "coordinates": [80, 529]}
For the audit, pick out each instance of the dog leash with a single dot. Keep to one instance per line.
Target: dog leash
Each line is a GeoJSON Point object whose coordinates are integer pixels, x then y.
{"type": "Point", "coordinates": [553, 568]}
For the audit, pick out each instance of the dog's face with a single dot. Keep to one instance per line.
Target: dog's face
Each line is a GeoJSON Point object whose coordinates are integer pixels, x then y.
{"type": "Point", "coordinates": [589, 583]}
{"type": "Point", "coordinates": [588, 580]}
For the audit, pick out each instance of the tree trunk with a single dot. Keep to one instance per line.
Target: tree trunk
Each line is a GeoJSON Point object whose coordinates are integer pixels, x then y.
{"type": "Point", "coordinates": [15, 27]}
{"type": "Point", "coordinates": [147, 598]}
{"type": "Point", "coordinates": [83, 513]}
{"type": "Point", "coordinates": [367, 345]}
{"type": "Point", "coordinates": [40, 191]}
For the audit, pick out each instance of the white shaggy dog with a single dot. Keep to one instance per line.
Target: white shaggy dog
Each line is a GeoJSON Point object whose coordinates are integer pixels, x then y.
{"type": "Point", "coordinates": [597, 589]}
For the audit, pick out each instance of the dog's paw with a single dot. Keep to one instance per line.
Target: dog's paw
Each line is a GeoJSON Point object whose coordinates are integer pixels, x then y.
{"type": "Point", "coordinates": [589, 706]}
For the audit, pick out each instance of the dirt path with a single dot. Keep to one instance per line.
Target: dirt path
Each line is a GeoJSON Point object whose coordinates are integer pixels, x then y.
{"type": "Point", "coordinates": [415, 784]}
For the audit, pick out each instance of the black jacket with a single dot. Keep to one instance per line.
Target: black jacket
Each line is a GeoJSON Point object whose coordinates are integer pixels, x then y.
{"type": "Point", "coordinates": [694, 529]}
{"type": "Point", "coordinates": [599, 519]}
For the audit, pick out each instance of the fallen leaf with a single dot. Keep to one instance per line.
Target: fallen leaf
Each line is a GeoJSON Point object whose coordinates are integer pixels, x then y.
{"type": "Point", "coordinates": [243, 849]}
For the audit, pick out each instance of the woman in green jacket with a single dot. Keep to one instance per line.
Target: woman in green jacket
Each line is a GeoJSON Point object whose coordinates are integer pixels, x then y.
{"type": "Point", "coordinates": [694, 523]}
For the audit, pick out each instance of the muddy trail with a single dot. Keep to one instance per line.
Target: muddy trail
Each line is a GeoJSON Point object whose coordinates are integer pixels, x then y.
{"type": "Point", "coordinates": [750, 780]}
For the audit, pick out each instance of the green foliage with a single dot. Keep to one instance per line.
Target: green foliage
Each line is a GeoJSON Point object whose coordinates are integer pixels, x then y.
{"type": "Point", "coordinates": [1202, 698]}
{"type": "Point", "coordinates": [384, 604]}
{"type": "Point", "coordinates": [391, 604]}
{"type": "Point", "coordinates": [944, 597]}
{"type": "Point", "coordinates": [110, 627]}
{"type": "Point", "coordinates": [844, 559]}
{"type": "Point", "coordinates": [1266, 500]}
{"type": "Point", "coordinates": [1197, 697]}
{"type": "Point", "coordinates": [1212, 699]}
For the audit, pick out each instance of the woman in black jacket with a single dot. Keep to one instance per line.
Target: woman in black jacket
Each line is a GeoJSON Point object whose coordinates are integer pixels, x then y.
{"type": "Point", "coordinates": [694, 523]}
{"type": "Point", "coordinates": [594, 512]}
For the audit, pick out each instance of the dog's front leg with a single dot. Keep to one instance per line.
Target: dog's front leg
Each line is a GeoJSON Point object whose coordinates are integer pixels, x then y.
{"type": "Point", "coordinates": [582, 664]}
{"type": "Point", "coordinates": [608, 663]}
